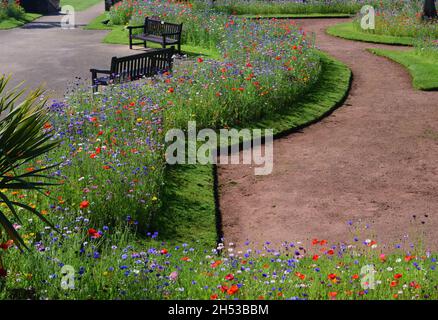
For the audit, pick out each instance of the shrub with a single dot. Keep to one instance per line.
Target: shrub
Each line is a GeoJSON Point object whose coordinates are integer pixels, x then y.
{"type": "Point", "coordinates": [11, 10]}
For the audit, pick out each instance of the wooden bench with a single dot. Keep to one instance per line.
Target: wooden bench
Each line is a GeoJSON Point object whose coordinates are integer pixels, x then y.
{"type": "Point", "coordinates": [134, 67]}
{"type": "Point", "coordinates": [157, 31]}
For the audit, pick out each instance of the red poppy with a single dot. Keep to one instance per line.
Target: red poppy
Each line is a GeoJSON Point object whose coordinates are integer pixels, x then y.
{"type": "Point", "coordinates": [332, 276]}
{"type": "Point", "coordinates": [224, 288]}
{"type": "Point", "coordinates": [84, 204]}
{"type": "Point", "coordinates": [333, 294]}
{"type": "Point", "coordinates": [355, 276]}
{"type": "Point", "coordinates": [216, 263]}
{"type": "Point", "coordinates": [415, 285]}
{"type": "Point", "coordinates": [164, 251]}
{"type": "Point", "coordinates": [94, 234]}
{"type": "Point", "coordinates": [398, 276]}
{"type": "Point", "coordinates": [229, 277]}
{"type": "Point", "coordinates": [6, 245]}
{"type": "Point", "coordinates": [330, 252]}
{"type": "Point", "coordinates": [393, 284]}
{"type": "Point", "coordinates": [234, 288]}
{"type": "Point", "coordinates": [171, 90]}
{"type": "Point", "coordinates": [300, 275]}
{"type": "Point", "coordinates": [200, 60]}
{"type": "Point", "coordinates": [315, 257]}
{"type": "Point", "coordinates": [185, 258]}
{"type": "Point", "coordinates": [214, 297]}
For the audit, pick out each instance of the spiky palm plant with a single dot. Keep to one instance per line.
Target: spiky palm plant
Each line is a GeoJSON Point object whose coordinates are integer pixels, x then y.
{"type": "Point", "coordinates": [22, 139]}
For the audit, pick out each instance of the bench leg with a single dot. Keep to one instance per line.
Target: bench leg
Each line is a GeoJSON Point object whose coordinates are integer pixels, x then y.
{"type": "Point", "coordinates": [130, 42]}
{"type": "Point", "coordinates": [145, 43]}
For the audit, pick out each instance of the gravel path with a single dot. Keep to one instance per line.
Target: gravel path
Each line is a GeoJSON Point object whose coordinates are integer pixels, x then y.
{"type": "Point", "coordinates": [42, 52]}
{"type": "Point", "coordinates": [374, 160]}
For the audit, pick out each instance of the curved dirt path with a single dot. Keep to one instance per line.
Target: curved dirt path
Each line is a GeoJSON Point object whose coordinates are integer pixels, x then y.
{"type": "Point", "coordinates": [373, 160]}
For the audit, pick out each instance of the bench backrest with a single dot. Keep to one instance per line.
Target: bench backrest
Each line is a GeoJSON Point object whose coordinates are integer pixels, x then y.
{"type": "Point", "coordinates": [157, 27]}
{"type": "Point", "coordinates": [141, 65]}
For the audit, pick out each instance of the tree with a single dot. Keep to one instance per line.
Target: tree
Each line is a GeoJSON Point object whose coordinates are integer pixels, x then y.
{"type": "Point", "coordinates": [429, 9]}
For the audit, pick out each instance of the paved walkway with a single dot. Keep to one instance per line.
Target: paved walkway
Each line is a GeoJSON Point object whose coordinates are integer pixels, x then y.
{"type": "Point", "coordinates": [374, 160]}
{"type": "Point", "coordinates": [42, 52]}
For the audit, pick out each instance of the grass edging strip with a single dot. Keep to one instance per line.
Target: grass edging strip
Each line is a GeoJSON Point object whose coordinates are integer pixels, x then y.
{"type": "Point", "coordinates": [423, 71]}
{"type": "Point", "coordinates": [12, 23]}
{"type": "Point", "coordinates": [324, 97]}
{"type": "Point", "coordinates": [346, 30]}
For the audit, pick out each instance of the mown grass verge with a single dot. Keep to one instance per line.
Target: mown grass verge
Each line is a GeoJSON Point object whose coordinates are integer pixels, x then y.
{"type": "Point", "coordinates": [15, 23]}
{"type": "Point", "coordinates": [348, 31]}
{"type": "Point", "coordinates": [81, 5]}
{"type": "Point", "coordinates": [189, 210]}
{"type": "Point", "coordinates": [423, 69]}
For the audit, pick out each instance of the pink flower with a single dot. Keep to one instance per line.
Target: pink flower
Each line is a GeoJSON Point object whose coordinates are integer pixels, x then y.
{"type": "Point", "coordinates": [173, 276]}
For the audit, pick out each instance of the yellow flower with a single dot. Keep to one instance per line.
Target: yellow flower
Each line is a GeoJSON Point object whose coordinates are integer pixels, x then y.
{"type": "Point", "coordinates": [139, 119]}
{"type": "Point", "coordinates": [154, 198]}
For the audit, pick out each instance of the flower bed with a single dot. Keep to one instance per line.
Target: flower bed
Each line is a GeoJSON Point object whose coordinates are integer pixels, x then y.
{"type": "Point", "coordinates": [286, 6]}
{"type": "Point", "coordinates": [401, 19]}
{"type": "Point", "coordinates": [111, 265]}
{"type": "Point", "coordinates": [112, 169]}
{"type": "Point", "coordinates": [112, 151]}
{"type": "Point", "coordinates": [111, 158]}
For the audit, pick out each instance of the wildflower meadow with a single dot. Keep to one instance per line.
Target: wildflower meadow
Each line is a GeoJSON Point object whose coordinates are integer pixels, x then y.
{"type": "Point", "coordinates": [106, 173]}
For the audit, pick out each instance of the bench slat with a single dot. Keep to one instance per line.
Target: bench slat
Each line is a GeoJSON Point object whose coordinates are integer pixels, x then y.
{"type": "Point", "coordinates": [134, 67]}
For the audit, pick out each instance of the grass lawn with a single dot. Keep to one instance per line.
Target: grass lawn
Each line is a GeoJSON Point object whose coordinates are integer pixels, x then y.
{"type": "Point", "coordinates": [14, 23]}
{"type": "Point", "coordinates": [347, 30]}
{"type": "Point", "coordinates": [81, 5]}
{"type": "Point", "coordinates": [423, 69]}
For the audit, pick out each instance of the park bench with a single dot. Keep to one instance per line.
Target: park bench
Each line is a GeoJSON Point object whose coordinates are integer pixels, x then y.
{"type": "Point", "coordinates": [134, 67]}
{"type": "Point", "coordinates": [156, 31]}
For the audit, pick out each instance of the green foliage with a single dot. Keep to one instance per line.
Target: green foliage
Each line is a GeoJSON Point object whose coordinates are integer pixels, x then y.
{"type": "Point", "coordinates": [23, 139]}
{"type": "Point", "coordinates": [349, 30]}
{"type": "Point", "coordinates": [12, 16]}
